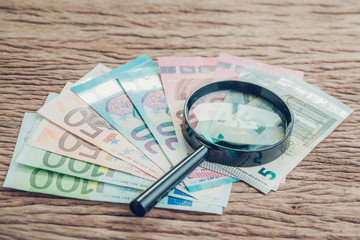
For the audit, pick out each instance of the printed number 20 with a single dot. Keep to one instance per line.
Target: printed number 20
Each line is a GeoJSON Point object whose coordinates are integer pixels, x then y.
{"type": "Point", "coordinates": [272, 174]}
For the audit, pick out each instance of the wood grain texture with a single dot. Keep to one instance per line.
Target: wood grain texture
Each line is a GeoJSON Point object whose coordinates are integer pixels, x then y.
{"type": "Point", "coordinates": [44, 44]}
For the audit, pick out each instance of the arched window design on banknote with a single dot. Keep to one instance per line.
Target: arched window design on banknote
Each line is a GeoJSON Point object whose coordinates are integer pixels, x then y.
{"type": "Point", "coordinates": [121, 108]}
{"type": "Point", "coordinates": [156, 108]}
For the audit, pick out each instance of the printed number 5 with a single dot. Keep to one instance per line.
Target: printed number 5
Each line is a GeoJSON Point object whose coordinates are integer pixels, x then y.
{"type": "Point", "coordinates": [272, 174]}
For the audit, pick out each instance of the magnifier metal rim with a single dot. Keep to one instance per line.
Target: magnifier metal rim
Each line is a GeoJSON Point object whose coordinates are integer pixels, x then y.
{"type": "Point", "coordinates": [244, 87]}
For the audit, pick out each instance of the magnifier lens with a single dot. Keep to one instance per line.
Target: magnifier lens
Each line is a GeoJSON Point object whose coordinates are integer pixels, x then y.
{"type": "Point", "coordinates": [238, 120]}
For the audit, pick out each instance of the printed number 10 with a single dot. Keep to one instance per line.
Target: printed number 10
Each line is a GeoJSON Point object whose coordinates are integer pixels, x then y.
{"type": "Point", "coordinates": [272, 174]}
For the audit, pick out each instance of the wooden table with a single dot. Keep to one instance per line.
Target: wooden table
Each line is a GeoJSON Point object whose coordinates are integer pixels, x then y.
{"type": "Point", "coordinates": [44, 44]}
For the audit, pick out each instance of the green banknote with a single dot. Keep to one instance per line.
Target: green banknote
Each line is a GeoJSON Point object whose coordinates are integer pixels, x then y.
{"type": "Point", "coordinates": [39, 158]}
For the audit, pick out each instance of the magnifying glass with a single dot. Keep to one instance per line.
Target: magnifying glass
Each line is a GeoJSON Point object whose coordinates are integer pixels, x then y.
{"type": "Point", "coordinates": [229, 122]}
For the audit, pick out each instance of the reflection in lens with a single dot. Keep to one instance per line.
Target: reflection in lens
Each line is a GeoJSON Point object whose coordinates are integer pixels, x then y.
{"type": "Point", "coordinates": [237, 120]}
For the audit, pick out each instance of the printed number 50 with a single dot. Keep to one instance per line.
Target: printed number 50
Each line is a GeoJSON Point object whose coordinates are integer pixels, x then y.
{"type": "Point", "coordinates": [272, 174]}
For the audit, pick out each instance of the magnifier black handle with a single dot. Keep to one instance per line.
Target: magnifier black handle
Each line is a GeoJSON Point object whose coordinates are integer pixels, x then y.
{"type": "Point", "coordinates": [148, 199]}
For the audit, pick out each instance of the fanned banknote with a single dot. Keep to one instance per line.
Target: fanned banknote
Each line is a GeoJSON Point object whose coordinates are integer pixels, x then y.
{"type": "Point", "coordinates": [39, 180]}
{"type": "Point", "coordinates": [107, 98]}
{"type": "Point", "coordinates": [146, 93]}
{"type": "Point", "coordinates": [316, 116]}
{"type": "Point", "coordinates": [180, 77]}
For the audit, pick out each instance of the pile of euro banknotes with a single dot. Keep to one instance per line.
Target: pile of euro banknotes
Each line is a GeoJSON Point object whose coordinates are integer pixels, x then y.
{"type": "Point", "coordinates": [111, 134]}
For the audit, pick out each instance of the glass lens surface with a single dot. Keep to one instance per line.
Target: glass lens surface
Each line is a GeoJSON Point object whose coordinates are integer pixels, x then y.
{"type": "Point", "coordinates": [237, 120]}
